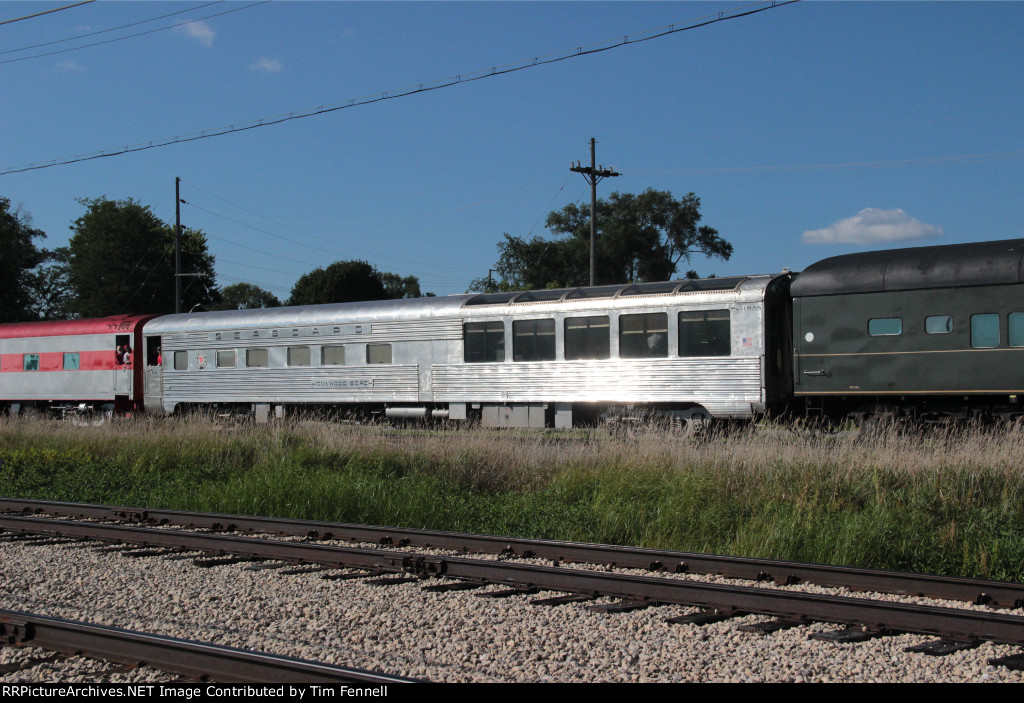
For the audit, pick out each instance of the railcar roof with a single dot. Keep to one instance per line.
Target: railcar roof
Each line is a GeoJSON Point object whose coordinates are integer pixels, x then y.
{"type": "Point", "coordinates": [306, 315]}
{"type": "Point", "coordinates": [116, 324]}
{"type": "Point", "coordinates": [947, 266]}
{"type": "Point", "coordinates": [420, 308]}
{"type": "Point", "coordinates": [613, 291]}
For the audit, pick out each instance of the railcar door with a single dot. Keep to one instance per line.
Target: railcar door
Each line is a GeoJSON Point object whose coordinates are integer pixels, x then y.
{"type": "Point", "coordinates": [122, 371]}
{"type": "Point", "coordinates": [154, 376]}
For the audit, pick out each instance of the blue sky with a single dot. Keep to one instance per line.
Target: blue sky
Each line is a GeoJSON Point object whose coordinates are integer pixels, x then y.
{"type": "Point", "coordinates": [808, 130]}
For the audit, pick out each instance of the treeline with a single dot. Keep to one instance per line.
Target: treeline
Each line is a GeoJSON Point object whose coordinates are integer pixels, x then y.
{"type": "Point", "coordinates": [120, 259]}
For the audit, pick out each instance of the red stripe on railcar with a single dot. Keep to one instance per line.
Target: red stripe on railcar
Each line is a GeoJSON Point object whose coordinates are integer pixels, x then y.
{"type": "Point", "coordinates": [116, 324]}
{"type": "Point", "coordinates": [54, 361]}
{"type": "Point", "coordinates": [51, 361]}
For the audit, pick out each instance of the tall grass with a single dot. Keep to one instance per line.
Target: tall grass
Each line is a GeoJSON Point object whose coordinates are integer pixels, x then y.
{"type": "Point", "coordinates": [947, 501]}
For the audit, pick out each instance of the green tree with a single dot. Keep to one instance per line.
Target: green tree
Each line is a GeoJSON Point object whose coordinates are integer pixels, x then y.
{"type": "Point", "coordinates": [641, 237]}
{"type": "Point", "coordinates": [19, 257]}
{"type": "Point", "coordinates": [351, 281]}
{"type": "Point", "coordinates": [245, 296]}
{"type": "Point", "coordinates": [398, 287]}
{"type": "Point", "coordinates": [121, 259]}
{"type": "Point", "coordinates": [51, 286]}
{"type": "Point", "coordinates": [341, 282]}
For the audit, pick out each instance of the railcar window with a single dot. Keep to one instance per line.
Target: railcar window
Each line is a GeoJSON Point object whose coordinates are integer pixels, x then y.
{"type": "Point", "coordinates": [533, 340]}
{"type": "Point", "coordinates": [705, 333]}
{"type": "Point", "coordinates": [938, 324]}
{"type": "Point", "coordinates": [180, 361]}
{"type": "Point", "coordinates": [332, 356]}
{"type": "Point", "coordinates": [299, 356]}
{"type": "Point", "coordinates": [378, 353]}
{"type": "Point", "coordinates": [483, 341]}
{"type": "Point", "coordinates": [257, 358]}
{"type": "Point", "coordinates": [226, 359]}
{"type": "Point", "coordinates": [985, 331]}
{"type": "Point", "coordinates": [885, 326]}
{"type": "Point", "coordinates": [71, 360]}
{"type": "Point", "coordinates": [587, 337]}
{"type": "Point", "coordinates": [1016, 322]}
{"type": "Point", "coordinates": [31, 362]}
{"type": "Point", "coordinates": [643, 336]}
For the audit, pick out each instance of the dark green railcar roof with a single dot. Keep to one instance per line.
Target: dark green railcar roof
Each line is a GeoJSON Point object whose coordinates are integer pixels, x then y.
{"type": "Point", "coordinates": [949, 266]}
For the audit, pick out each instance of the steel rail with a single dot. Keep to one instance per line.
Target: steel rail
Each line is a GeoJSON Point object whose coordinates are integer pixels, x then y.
{"type": "Point", "coordinates": [979, 591]}
{"type": "Point", "coordinates": [191, 658]}
{"type": "Point", "coordinates": [874, 615]}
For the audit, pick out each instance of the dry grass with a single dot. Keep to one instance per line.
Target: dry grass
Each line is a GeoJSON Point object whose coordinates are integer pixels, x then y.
{"type": "Point", "coordinates": [948, 500]}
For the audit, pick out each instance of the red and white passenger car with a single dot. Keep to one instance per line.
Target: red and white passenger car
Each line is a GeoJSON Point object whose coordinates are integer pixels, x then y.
{"type": "Point", "coordinates": [72, 366]}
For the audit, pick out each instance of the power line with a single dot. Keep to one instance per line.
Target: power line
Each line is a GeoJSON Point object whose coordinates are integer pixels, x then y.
{"type": "Point", "coordinates": [46, 12]}
{"type": "Point", "coordinates": [111, 29]}
{"type": "Point", "coordinates": [586, 50]}
{"type": "Point", "coordinates": [363, 252]}
{"type": "Point", "coordinates": [137, 34]}
{"type": "Point", "coordinates": [731, 170]}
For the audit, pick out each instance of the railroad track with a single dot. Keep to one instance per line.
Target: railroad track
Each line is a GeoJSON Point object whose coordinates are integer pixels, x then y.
{"type": "Point", "coordinates": [393, 556]}
{"type": "Point", "coordinates": [202, 661]}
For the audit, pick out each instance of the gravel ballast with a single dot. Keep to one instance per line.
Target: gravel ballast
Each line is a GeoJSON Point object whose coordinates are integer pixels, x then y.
{"type": "Point", "coordinates": [445, 637]}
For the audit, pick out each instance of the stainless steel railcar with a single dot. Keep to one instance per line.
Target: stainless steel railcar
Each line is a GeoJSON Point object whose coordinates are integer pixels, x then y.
{"type": "Point", "coordinates": [687, 349]}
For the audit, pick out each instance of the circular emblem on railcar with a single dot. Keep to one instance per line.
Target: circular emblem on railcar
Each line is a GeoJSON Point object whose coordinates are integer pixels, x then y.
{"type": "Point", "coordinates": [201, 361]}
{"type": "Point", "coordinates": [809, 336]}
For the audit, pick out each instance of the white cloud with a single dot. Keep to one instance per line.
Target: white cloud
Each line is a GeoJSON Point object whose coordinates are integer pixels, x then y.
{"type": "Point", "coordinates": [69, 67]}
{"type": "Point", "coordinates": [268, 65]}
{"type": "Point", "coordinates": [198, 30]}
{"type": "Point", "coordinates": [870, 226]}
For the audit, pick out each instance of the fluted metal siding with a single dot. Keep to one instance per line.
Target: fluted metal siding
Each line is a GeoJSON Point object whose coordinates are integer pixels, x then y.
{"type": "Point", "coordinates": [338, 384]}
{"type": "Point", "coordinates": [733, 383]}
{"type": "Point", "coordinates": [419, 330]}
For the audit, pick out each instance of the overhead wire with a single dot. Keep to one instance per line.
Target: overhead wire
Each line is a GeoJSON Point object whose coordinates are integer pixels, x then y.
{"type": "Point", "coordinates": [584, 50]}
{"type": "Point", "coordinates": [47, 12]}
{"type": "Point", "coordinates": [335, 252]}
{"type": "Point", "coordinates": [110, 29]}
{"type": "Point", "coordinates": [137, 34]}
{"type": "Point", "coordinates": [731, 170]}
{"type": "Point", "coordinates": [332, 252]}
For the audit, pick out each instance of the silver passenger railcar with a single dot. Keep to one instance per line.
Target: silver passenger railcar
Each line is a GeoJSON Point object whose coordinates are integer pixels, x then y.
{"type": "Point", "coordinates": [689, 350]}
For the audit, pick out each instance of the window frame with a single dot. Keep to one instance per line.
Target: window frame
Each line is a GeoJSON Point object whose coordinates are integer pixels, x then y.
{"type": "Point", "coordinates": [647, 351]}
{"type": "Point", "coordinates": [379, 346]}
{"type": "Point", "coordinates": [323, 355]}
{"type": "Point", "coordinates": [252, 355]}
{"type": "Point", "coordinates": [532, 343]}
{"type": "Point", "coordinates": [583, 337]}
{"type": "Point", "coordinates": [976, 321]}
{"type": "Point", "coordinates": [492, 331]}
{"type": "Point", "coordinates": [948, 327]}
{"type": "Point", "coordinates": [882, 328]}
{"type": "Point", "coordinates": [299, 354]}
{"type": "Point", "coordinates": [710, 345]}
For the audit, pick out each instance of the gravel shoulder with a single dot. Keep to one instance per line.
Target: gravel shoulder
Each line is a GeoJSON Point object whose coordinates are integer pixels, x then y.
{"type": "Point", "coordinates": [445, 637]}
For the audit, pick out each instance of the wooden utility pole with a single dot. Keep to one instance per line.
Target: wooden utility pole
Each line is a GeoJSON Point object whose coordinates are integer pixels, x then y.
{"type": "Point", "coordinates": [593, 176]}
{"type": "Point", "coordinates": [177, 245]}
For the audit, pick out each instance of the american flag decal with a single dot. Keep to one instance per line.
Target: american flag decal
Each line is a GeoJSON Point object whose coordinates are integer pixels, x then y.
{"type": "Point", "coordinates": [748, 341]}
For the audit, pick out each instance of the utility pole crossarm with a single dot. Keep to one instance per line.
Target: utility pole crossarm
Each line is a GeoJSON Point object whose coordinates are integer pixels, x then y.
{"type": "Point", "coordinates": [593, 174]}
